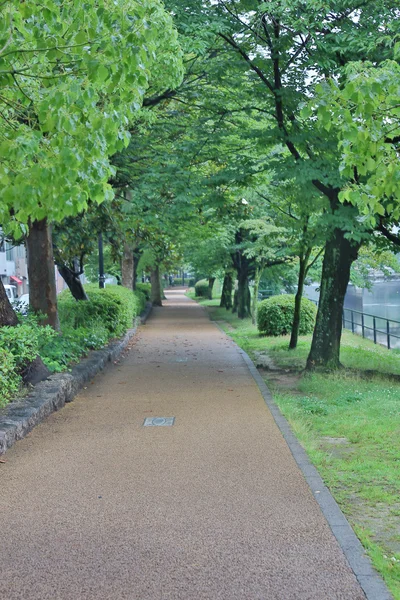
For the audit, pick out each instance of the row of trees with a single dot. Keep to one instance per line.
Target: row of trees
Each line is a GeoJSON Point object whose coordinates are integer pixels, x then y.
{"type": "Point", "coordinates": [242, 135]}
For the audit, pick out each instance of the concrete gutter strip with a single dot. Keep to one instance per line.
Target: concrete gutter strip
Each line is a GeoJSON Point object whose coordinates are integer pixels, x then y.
{"type": "Point", "coordinates": [369, 580]}
{"type": "Point", "coordinates": [18, 418]}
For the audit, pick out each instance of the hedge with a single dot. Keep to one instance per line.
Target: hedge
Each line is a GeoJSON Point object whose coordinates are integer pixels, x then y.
{"type": "Point", "coordinates": [85, 325]}
{"type": "Point", "coordinates": [114, 307]}
{"type": "Point", "coordinates": [201, 288]}
{"type": "Point", "coordinates": [275, 315]}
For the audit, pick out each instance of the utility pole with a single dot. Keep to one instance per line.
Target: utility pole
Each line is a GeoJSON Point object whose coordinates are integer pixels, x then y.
{"type": "Point", "coordinates": [102, 278]}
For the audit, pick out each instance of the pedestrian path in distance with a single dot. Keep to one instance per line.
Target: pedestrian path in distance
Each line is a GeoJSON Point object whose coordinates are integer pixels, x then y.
{"type": "Point", "coordinates": [96, 506]}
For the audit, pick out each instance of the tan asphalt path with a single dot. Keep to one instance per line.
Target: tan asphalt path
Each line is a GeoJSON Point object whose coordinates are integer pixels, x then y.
{"type": "Point", "coordinates": [94, 506]}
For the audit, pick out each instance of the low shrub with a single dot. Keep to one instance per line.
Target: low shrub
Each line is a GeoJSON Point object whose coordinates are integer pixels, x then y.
{"type": "Point", "coordinates": [275, 315]}
{"type": "Point", "coordinates": [9, 378]}
{"type": "Point", "coordinates": [25, 340]}
{"type": "Point", "coordinates": [201, 288]}
{"type": "Point", "coordinates": [19, 346]}
{"type": "Point", "coordinates": [145, 288]}
{"type": "Point", "coordinates": [85, 325]}
{"type": "Point", "coordinates": [114, 307]}
{"type": "Point", "coordinates": [72, 345]}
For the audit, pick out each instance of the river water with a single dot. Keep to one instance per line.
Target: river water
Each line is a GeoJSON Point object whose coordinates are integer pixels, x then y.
{"type": "Point", "coordinates": [381, 302]}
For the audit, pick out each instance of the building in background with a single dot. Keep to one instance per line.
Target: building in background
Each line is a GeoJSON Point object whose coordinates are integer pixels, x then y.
{"type": "Point", "coordinates": [14, 268]}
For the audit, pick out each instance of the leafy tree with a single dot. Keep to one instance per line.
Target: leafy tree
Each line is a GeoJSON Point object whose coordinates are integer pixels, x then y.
{"type": "Point", "coordinates": [288, 48]}
{"type": "Point", "coordinates": [72, 76]}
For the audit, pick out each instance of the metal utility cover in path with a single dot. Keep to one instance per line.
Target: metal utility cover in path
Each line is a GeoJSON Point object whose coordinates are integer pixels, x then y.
{"type": "Point", "coordinates": [159, 421]}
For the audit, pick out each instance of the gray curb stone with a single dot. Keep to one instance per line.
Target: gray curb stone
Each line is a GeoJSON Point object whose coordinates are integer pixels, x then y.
{"type": "Point", "coordinates": [18, 418]}
{"type": "Point", "coordinates": [370, 581]}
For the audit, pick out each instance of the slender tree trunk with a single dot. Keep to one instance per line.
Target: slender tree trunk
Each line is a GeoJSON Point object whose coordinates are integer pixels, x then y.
{"type": "Point", "coordinates": [211, 281]}
{"type": "Point", "coordinates": [235, 302]}
{"type": "Point", "coordinates": [156, 292]}
{"type": "Point", "coordinates": [73, 282]}
{"type": "Point", "coordinates": [242, 265]}
{"type": "Point", "coordinates": [42, 281]}
{"type": "Point", "coordinates": [244, 297]}
{"type": "Point", "coordinates": [226, 294]}
{"type": "Point", "coordinates": [340, 253]}
{"type": "Point", "coordinates": [297, 301]}
{"type": "Point", "coordinates": [136, 257]}
{"type": "Point", "coordinates": [127, 266]}
{"type": "Point", "coordinates": [257, 279]}
{"type": "Point", "coordinates": [7, 314]}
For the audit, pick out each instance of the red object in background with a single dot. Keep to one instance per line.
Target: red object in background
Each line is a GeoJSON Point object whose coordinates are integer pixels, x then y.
{"type": "Point", "coordinates": [16, 279]}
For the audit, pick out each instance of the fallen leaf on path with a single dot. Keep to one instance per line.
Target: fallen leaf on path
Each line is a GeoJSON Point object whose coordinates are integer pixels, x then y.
{"type": "Point", "coordinates": [2, 461]}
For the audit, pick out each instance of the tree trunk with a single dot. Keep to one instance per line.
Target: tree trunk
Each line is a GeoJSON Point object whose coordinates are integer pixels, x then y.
{"type": "Point", "coordinates": [136, 258]}
{"type": "Point", "coordinates": [244, 297]}
{"type": "Point", "coordinates": [235, 302]}
{"type": "Point", "coordinates": [211, 281]}
{"type": "Point", "coordinates": [243, 267]}
{"type": "Point", "coordinates": [297, 302]}
{"type": "Point", "coordinates": [257, 279]}
{"type": "Point", "coordinates": [73, 282]}
{"type": "Point", "coordinates": [340, 253]}
{"type": "Point", "coordinates": [156, 292]}
{"type": "Point", "coordinates": [226, 294]}
{"type": "Point", "coordinates": [7, 314]}
{"type": "Point", "coordinates": [127, 266]}
{"type": "Point", "coordinates": [42, 281]}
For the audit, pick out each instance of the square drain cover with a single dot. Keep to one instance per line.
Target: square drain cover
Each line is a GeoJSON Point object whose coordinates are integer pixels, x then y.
{"type": "Point", "coordinates": [159, 421]}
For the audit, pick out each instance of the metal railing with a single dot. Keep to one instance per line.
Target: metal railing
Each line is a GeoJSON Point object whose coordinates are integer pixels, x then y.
{"type": "Point", "coordinates": [368, 326]}
{"type": "Point", "coordinates": [379, 329]}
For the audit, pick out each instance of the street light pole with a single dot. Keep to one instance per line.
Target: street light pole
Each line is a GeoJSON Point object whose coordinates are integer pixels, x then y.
{"type": "Point", "coordinates": [101, 263]}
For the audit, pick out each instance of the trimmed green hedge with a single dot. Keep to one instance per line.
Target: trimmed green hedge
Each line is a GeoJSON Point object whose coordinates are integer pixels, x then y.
{"type": "Point", "coordinates": [201, 288]}
{"type": "Point", "coordinates": [85, 325]}
{"type": "Point", "coordinates": [114, 307]}
{"type": "Point", "coordinates": [275, 315]}
{"type": "Point", "coordinates": [145, 288]}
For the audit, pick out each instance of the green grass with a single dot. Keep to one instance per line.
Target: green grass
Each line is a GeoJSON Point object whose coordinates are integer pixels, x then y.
{"type": "Point", "coordinates": [349, 423]}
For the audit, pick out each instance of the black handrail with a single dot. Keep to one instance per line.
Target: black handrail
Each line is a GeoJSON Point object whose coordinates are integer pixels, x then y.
{"type": "Point", "coordinates": [353, 325]}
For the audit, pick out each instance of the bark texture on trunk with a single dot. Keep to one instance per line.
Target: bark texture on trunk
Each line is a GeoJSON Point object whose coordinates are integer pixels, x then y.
{"type": "Point", "coordinates": [297, 302]}
{"type": "Point", "coordinates": [244, 297]}
{"type": "Point", "coordinates": [127, 266]}
{"type": "Point", "coordinates": [243, 267]}
{"type": "Point", "coordinates": [136, 258]}
{"type": "Point", "coordinates": [257, 279]}
{"type": "Point", "coordinates": [7, 314]}
{"type": "Point", "coordinates": [226, 294]}
{"type": "Point", "coordinates": [211, 281]}
{"type": "Point", "coordinates": [73, 282]}
{"type": "Point", "coordinates": [340, 253]}
{"type": "Point", "coordinates": [42, 281]}
{"type": "Point", "coordinates": [156, 291]}
{"type": "Point", "coordinates": [235, 302]}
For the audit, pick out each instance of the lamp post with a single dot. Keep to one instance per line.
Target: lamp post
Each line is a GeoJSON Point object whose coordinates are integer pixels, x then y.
{"type": "Point", "coordinates": [102, 278]}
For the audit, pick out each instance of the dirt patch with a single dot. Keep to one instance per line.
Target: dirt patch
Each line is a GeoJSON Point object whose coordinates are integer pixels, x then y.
{"type": "Point", "coordinates": [277, 378]}
{"type": "Point", "coordinates": [381, 520]}
{"type": "Point", "coordinates": [338, 447]}
{"type": "Point", "coordinates": [225, 324]}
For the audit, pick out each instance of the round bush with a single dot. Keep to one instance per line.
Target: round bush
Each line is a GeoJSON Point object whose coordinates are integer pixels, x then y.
{"type": "Point", "coordinates": [275, 315]}
{"type": "Point", "coordinates": [201, 288]}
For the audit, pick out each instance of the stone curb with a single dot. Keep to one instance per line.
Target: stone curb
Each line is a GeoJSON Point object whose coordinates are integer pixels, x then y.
{"type": "Point", "coordinates": [18, 418]}
{"type": "Point", "coordinates": [370, 581]}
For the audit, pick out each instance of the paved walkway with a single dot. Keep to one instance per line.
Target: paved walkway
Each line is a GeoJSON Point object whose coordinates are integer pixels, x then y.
{"type": "Point", "coordinates": [95, 506]}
